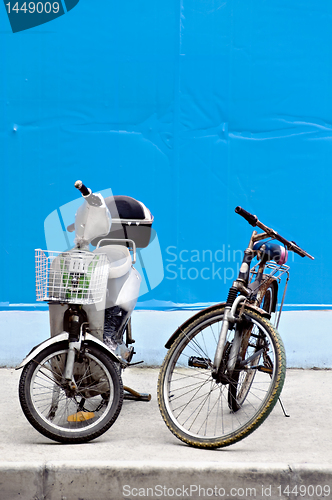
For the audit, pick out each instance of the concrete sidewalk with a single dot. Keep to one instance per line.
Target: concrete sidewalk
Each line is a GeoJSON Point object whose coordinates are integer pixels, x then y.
{"type": "Point", "coordinates": [139, 457]}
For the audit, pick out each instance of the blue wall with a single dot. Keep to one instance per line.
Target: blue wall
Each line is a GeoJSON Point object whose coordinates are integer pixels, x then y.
{"type": "Point", "coordinates": [193, 107]}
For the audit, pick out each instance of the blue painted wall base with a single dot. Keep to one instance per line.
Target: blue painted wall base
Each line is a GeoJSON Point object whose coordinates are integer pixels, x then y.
{"type": "Point", "coordinates": [306, 335]}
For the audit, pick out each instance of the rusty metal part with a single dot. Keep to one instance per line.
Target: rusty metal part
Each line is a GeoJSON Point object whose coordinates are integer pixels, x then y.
{"type": "Point", "coordinates": [263, 287]}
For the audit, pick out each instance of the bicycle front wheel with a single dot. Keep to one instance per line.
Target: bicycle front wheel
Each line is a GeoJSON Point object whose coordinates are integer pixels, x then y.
{"type": "Point", "coordinates": [206, 413]}
{"type": "Point", "coordinates": [77, 413]}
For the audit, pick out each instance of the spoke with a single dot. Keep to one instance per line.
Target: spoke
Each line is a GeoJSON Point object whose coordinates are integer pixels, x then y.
{"type": "Point", "coordinates": [47, 386]}
{"type": "Point", "coordinates": [196, 348]}
{"type": "Point", "coordinates": [194, 386]}
{"type": "Point", "coordinates": [194, 345]}
{"type": "Point", "coordinates": [48, 377]}
{"type": "Point", "coordinates": [209, 413]}
{"type": "Point", "coordinates": [197, 410]}
{"type": "Point", "coordinates": [216, 341]}
{"type": "Point", "coordinates": [191, 400]}
{"type": "Point", "coordinates": [182, 377]}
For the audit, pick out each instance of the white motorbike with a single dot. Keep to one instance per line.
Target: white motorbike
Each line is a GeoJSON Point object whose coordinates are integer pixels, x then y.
{"type": "Point", "coordinates": [71, 388]}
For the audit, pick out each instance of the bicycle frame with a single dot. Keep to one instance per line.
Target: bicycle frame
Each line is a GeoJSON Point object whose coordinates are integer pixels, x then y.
{"type": "Point", "coordinates": [241, 284]}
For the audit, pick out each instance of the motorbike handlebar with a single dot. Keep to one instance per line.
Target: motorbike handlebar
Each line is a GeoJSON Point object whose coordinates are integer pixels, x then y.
{"type": "Point", "coordinates": [253, 221]}
{"type": "Point", "coordinates": [83, 189]}
{"type": "Point", "coordinates": [91, 198]}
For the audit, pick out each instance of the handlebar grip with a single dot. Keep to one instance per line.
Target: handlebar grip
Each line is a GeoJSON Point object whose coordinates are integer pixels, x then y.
{"type": "Point", "coordinates": [83, 189]}
{"type": "Point", "coordinates": [296, 249]}
{"type": "Point", "coordinates": [252, 219]}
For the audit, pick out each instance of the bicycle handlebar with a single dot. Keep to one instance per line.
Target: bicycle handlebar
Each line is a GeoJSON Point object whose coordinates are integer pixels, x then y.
{"type": "Point", "coordinates": [253, 221]}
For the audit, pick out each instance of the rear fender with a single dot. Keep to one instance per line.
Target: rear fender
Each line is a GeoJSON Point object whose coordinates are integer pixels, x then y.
{"type": "Point", "coordinates": [275, 295]}
{"type": "Point", "coordinates": [177, 332]}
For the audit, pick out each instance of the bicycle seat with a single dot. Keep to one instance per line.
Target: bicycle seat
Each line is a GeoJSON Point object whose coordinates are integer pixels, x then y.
{"type": "Point", "coordinates": [119, 259]}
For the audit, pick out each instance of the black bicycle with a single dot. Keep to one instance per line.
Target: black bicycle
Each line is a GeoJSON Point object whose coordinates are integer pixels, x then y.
{"type": "Point", "coordinates": [225, 367]}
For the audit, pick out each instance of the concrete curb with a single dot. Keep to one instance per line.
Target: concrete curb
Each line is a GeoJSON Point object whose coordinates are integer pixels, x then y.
{"type": "Point", "coordinates": [108, 480]}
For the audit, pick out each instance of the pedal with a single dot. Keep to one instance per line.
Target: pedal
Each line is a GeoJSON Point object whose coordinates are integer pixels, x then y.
{"type": "Point", "coordinates": [197, 362]}
{"type": "Point", "coordinates": [81, 416]}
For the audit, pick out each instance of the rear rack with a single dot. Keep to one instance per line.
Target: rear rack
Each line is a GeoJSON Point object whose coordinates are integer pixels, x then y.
{"type": "Point", "coordinates": [276, 273]}
{"type": "Point", "coordinates": [275, 270]}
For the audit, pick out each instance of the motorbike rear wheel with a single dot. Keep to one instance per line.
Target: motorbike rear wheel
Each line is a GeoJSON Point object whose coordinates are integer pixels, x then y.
{"type": "Point", "coordinates": [75, 414]}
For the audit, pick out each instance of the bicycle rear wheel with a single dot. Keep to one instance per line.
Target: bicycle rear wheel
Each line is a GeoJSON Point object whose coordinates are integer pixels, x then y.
{"type": "Point", "coordinates": [209, 414]}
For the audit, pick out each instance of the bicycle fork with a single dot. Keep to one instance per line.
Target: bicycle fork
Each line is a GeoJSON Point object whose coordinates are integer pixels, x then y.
{"type": "Point", "coordinates": [69, 368]}
{"type": "Point", "coordinates": [74, 345]}
{"type": "Point", "coordinates": [229, 318]}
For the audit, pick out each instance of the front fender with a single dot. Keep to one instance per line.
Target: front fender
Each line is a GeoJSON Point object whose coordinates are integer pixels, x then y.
{"type": "Point", "coordinates": [62, 337]}
{"type": "Point", "coordinates": [196, 316]}
{"type": "Point", "coordinates": [40, 347]}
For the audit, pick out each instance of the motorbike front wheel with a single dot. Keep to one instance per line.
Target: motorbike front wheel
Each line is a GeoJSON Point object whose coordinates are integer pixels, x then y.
{"type": "Point", "coordinates": [209, 413]}
{"type": "Point", "coordinates": [74, 412]}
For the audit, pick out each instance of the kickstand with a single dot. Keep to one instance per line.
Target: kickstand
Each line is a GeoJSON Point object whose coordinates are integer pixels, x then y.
{"type": "Point", "coordinates": [134, 395]}
{"type": "Point", "coordinates": [283, 408]}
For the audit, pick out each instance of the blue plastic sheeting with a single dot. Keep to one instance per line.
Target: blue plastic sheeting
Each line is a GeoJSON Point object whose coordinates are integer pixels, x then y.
{"type": "Point", "coordinates": [191, 107]}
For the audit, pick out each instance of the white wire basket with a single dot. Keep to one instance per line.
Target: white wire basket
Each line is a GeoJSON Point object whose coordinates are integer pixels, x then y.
{"type": "Point", "coordinates": [77, 277]}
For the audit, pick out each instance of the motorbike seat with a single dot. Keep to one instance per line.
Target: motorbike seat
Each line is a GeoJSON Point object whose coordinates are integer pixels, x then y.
{"type": "Point", "coordinates": [119, 259]}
